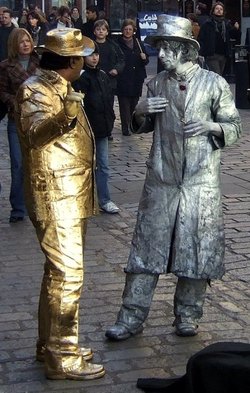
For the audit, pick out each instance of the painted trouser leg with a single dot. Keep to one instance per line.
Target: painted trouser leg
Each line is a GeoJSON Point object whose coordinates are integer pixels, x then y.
{"type": "Point", "coordinates": [188, 301]}
{"type": "Point", "coordinates": [136, 301]}
{"type": "Point", "coordinates": [62, 243]}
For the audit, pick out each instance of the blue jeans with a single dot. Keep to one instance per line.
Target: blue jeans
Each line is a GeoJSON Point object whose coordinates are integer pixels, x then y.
{"type": "Point", "coordinates": [16, 189]}
{"type": "Point", "coordinates": [102, 170]}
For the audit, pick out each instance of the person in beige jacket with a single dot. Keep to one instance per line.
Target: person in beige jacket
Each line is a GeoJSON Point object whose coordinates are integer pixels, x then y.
{"type": "Point", "coordinates": [59, 161]}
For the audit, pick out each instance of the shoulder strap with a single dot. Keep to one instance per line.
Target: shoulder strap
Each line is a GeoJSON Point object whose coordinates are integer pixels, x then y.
{"type": "Point", "coordinates": [139, 45]}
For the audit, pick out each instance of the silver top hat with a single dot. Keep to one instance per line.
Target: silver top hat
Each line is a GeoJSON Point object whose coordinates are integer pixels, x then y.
{"type": "Point", "coordinates": [172, 28]}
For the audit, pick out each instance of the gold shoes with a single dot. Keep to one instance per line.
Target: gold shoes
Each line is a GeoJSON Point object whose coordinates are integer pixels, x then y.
{"type": "Point", "coordinates": [86, 353]}
{"type": "Point", "coordinates": [86, 371]}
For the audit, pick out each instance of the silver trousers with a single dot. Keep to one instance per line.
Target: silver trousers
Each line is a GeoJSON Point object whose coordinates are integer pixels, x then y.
{"type": "Point", "coordinates": [138, 294]}
{"type": "Point", "coordinates": [189, 299]}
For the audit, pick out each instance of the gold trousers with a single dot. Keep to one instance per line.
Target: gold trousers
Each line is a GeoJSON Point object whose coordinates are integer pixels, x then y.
{"type": "Point", "coordinates": [62, 243]}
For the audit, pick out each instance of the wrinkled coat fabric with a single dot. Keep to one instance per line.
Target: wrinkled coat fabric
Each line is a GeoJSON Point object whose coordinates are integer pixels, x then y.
{"type": "Point", "coordinates": [180, 225]}
{"type": "Point", "coordinates": [59, 159]}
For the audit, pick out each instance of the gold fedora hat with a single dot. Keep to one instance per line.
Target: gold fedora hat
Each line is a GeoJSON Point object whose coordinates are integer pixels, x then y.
{"type": "Point", "coordinates": [172, 28]}
{"type": "Point", "coordinates": [67, 42]}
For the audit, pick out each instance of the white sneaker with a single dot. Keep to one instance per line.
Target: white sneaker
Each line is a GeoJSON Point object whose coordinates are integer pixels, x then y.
{"type": "Point", "coordinates": [110, 207]}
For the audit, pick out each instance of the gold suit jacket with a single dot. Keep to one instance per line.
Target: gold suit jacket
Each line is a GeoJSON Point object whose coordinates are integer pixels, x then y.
{"type": "Point", "coordinates": [58, 158]}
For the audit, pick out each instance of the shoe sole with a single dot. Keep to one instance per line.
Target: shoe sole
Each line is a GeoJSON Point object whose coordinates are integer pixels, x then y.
{"type": "Point", "coordinates": [105, 211]}
{"type": "Point", "coordinates": [74, 377]}
{"type": "Point", "coordinates": [114, 337]}
{"type": "Point", "coordinates": [186, 334]}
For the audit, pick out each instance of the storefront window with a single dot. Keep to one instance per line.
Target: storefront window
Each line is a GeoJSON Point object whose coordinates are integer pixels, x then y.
{"type": "Point", "coordinates": [13, 5]}
{"type": "Point", "coordinates": [167, 6]}
{"type": "Point", "coordinates": [120, 11]}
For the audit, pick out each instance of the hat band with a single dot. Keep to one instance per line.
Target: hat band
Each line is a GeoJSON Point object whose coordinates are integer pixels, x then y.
{"type": "Point", "coordinates": [66, 51]}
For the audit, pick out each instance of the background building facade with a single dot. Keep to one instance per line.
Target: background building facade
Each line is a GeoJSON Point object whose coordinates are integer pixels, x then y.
{"type": "Point", "coordinates": [117, 10]}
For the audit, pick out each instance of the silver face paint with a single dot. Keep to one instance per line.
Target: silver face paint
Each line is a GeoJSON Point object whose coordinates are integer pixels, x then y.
{"type": "Point", "coordinates": [171, 56]}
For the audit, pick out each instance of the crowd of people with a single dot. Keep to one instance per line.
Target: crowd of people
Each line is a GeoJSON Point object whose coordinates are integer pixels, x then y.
{"type": "Point", "coordinates": [123, 62]}
{"type": "Point", "coordinates": [59, 159]}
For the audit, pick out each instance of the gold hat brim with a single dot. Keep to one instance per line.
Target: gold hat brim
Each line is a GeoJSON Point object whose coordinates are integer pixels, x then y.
{"type": "Point", "coordinates": [86, 49]}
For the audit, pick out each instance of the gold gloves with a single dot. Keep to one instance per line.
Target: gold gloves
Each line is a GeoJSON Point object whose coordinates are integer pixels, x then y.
{"type": "Point", "coordinates": [72, 103]}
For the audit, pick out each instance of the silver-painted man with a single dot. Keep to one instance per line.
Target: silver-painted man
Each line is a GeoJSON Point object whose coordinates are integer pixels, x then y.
{"type": "Point", "coordinates": [179, 226]}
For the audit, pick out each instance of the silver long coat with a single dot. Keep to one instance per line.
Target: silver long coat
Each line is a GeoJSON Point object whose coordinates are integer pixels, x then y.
{"type": "Point", "coordinates": [179, 226]}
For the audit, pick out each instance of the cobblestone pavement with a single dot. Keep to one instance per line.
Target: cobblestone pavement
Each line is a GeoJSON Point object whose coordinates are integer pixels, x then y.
{"type": "Point", "coordinates": [157, 351]}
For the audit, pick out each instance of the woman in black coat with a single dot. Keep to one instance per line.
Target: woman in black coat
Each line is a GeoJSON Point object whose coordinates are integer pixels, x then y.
{"type": "Point", "coordinates": [130, 81]}
{"type": "Point", "coordinates": [38, 27]}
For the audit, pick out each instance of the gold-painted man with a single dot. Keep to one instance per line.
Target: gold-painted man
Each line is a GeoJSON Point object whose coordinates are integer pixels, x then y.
{"type": "Point", "coordinates": [59, 161]}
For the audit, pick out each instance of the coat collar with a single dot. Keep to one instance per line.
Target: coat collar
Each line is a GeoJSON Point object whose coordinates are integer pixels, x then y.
{"type": "Point", "coordinates": [185, 76]}
{"type": "Point", "coordinates": [59, 83]}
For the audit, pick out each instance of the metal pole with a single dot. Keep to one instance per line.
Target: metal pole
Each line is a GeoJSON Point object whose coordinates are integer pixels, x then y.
{"type": "Point", "coordinates": [84, 5]}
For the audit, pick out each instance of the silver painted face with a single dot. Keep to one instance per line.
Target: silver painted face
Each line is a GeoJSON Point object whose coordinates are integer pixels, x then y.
{"type": "Point", "coordinates": [169, 57]}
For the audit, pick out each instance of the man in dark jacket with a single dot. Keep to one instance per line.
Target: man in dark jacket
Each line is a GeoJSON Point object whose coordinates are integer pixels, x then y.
{"type": "Point", "coordinates": [214, 38]}
{"type": "Point", "coordinates": [5, 30]}
{"type": "Point", "coordinates": [92, 14]}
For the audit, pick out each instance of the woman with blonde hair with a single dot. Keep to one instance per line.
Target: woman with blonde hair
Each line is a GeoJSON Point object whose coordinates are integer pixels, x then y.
{"type": "Point", "coordinates": [20, 65]}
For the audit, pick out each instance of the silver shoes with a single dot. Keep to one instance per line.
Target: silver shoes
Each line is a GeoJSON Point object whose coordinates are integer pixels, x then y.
{"type": "Point", "coordinates": [119, 332]}
{"type": "Point", "coordinates": [185, 328]}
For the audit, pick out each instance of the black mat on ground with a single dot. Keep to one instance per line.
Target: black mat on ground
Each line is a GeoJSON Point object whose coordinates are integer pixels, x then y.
{"type": "Point", "coordinates": [219, 368]}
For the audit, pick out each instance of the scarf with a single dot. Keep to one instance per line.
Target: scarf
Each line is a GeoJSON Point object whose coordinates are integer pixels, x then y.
{"type": "Point", "coordinates": [34, 32]}
{"type": "Point", "coordinates": [220, 26]}
{"type": "Point", "coordinates": [129, 43]}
